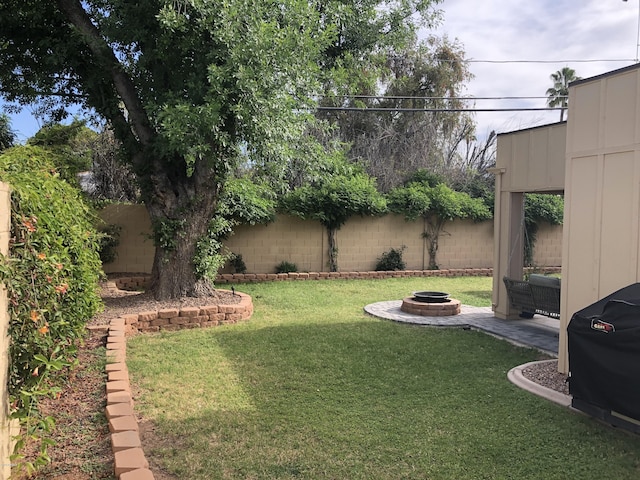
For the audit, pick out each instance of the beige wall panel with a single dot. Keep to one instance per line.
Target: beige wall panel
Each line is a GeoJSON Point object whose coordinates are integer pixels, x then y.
{"type": "Point", "coordinates": [533, 159]}
{"type": "Point", "coordinates": [620, 109]}
{"type": "Point", "coordinates": [466, 245]}
{"type": "Point", "coordinates": [557, 147]}
{"type": "Point", "coordinates": [362, 240]}
{"type": "Point", "coordinates": [548, 247]}
{"type": "Point", "coordinates": [136, 250]}
{"type": "Point", "coordinates": [289, 239]}
{"type": "Point", "coordinates": [619, 227]}
{"type": "Point", "coordinates": [584, 112]}
{"type": "Point", "coordinates": [518, 174]}
{"type": "Point", "coordinates": [582, 222]}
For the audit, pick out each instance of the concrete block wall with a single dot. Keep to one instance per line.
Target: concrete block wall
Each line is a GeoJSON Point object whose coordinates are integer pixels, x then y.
{"type": "Point", "coordinates": [136, 250]}
{"type": "Point", "coordinates": [548, 246]}
{"type": "Point", "coordinates": [361, 241]}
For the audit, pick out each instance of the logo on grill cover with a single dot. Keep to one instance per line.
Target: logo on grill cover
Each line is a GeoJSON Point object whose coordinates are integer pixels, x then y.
{"type": "Point", "coordinates": [601, 326]}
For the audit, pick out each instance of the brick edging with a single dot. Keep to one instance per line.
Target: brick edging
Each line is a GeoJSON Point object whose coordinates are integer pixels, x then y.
{"type": "Point", "coordinates": [140, 281]}
{"type": "Point", "coordinates": [130, 462]}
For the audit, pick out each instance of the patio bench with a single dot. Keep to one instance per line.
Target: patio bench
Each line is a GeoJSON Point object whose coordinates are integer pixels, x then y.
{"type": "Point", "coordinates": [539, 295]}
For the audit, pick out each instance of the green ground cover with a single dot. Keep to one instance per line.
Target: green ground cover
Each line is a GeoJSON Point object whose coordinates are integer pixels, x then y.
{"type": "Point", "coordinates": [311, 387]}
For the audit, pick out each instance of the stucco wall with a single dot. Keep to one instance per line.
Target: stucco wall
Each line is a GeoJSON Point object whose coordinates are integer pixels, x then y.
{"type": "Point", "coordinates": [360, 243]}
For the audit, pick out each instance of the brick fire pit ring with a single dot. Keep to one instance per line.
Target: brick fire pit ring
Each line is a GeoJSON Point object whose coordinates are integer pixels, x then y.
{"type": "Point", "coordinates": [438, 309]}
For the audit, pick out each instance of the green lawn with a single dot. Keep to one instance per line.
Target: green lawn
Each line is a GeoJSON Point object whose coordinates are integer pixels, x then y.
{"type": "Point", "coordinates": [311, 387]}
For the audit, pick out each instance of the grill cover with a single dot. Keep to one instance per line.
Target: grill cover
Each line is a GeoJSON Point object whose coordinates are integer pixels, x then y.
{"type": "Point", "coordinates": [604, 356]}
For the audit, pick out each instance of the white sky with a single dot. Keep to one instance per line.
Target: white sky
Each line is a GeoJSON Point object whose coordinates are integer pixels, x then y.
{"type": "Point", "coordinates": [536, 30]}
{"type": "Point", "coordinates": [501, 30]}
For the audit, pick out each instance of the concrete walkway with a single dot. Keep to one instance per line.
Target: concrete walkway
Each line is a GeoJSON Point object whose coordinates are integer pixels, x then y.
{"type": "Point", "coordinates": [539, 332]}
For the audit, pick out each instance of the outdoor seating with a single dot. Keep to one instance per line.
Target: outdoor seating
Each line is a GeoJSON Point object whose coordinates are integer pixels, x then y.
{"type": "Point", "coordinates": [538, 295]}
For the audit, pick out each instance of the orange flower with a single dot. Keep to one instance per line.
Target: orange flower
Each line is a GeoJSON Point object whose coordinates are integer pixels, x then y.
{"type": "Point", "coordinates": [34, 316]}
{"type": "Point", "coordinates": [62, 288]}
{"type": "Point", "coordinates": [30, 223]}
{"type": "Point", "coordinates": [44, 329]}
{"type": "Point", "coordinates": [59, 266]}
{"type": "Point", "coordinates": [41, 256]}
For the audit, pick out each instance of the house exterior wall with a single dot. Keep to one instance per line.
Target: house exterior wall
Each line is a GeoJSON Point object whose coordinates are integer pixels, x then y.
{"type": "Point", "coordinates": [530, 160]}
{"type": "Point", "coordinates": [360, 242]}
{"type": "Point", "coordinates": [601, 245]}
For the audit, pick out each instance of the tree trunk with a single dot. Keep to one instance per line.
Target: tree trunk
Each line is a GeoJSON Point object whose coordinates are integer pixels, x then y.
{"type": "Point", "coordinates": [433, 230]}
{"type": "Point", "coordinates": [181, 207]}
{"type": "Point", "coordinates": [333, 250]}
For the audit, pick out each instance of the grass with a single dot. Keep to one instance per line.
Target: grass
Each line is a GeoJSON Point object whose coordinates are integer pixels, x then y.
{"type": "Point", "coordinates": [311, 387]}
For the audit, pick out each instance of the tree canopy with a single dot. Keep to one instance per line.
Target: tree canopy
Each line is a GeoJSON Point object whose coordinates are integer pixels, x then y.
{"type": "Point", "coordinates": [190, 88]}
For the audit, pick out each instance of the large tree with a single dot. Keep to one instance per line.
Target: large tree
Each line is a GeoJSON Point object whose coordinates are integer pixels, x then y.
{"type": "Point", "coordinates": [188, 87]}
{"type": "Point", "coordinates": [558, 95]}
{"type": "Point", "coordinates": [388, 136]}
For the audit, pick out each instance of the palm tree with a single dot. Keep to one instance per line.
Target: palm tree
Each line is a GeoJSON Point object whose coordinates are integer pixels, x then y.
{"type": "Point", "coordinates": [559, 93]}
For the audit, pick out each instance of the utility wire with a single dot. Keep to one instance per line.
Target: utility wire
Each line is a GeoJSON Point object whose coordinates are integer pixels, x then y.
{"type": "Point", "coordinates": [400, 97]}
{"type": "Point", "coordinates": [435, 110]}
{"type": "Point", "coordinates": [551, 61]}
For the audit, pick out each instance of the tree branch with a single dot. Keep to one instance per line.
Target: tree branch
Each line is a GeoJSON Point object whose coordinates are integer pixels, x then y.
{"type": "Point", "coordinates": [78, 17]}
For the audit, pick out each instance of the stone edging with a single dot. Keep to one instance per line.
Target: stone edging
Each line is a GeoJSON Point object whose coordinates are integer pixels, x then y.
{"type": "Point", "coordinates": [129, 460]}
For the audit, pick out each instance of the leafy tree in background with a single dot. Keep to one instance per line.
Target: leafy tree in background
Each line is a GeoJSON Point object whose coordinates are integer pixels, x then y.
{"type": "Point", "coordinates": [111, 176]}
{"type": "Point", "coordinates": [71, 147]}
{"type": "Point", "coordinates": [437, 204]}
{"type": "Point", "coordinates": [559, 93]}
{"type": "Point", "coordinates": [392, 144]}
{"type": "Point", "coordinates": [188, 88]}
{"type": "Point", "coordinates": [340, 194]}
{"type": "Point", "coordinates": [7, 135]}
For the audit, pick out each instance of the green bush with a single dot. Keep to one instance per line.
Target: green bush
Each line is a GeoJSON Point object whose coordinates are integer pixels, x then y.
{"type": "Point", "coordinates": [51, 276]}
{"type": "Point", "coordinates": [108, 243]}
{"type": "Point", "coordinates": [391, 260]}
{"type": "Point", "coordinates": [286, 267]}
{"type": "Point", "coordinates": [237, 263]}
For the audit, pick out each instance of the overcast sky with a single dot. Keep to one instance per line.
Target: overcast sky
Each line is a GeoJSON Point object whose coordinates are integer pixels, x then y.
{"type": "Point", "coordinates": [510, 30]}
{"type": "Point", "coordinates": [539, 30]}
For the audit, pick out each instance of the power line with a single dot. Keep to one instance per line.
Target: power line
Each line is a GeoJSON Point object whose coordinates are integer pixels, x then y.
{"type": "Point", "coordinates": [436, 110]}
{"type": "Point", "coordinates": [400, 97]}
{"type": "Point", "coordinates": [553, 61]}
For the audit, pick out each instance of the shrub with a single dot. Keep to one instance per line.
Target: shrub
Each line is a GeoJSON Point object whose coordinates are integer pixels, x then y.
{"type": "Point", "coordinates": [108, 241]}
{"type": "Point", "coordinates": [237, 263]}
{"type": "Point", "coordinates": [286, 267]}
{"type": "Point", "coordinates": [391, 260]}
{"type": "Point", "coordinates": [51, 277]}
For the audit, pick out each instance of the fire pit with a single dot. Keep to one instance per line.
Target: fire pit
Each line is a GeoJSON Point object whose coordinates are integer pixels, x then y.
{"type": "Point", "coordinates": [431, 297]}
{"type": "Point", "coordinates": [431, 304]}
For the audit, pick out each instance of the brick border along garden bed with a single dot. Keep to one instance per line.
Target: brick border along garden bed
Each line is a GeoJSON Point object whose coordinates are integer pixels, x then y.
{"type": "Point", "coordinates": [130, 462]}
